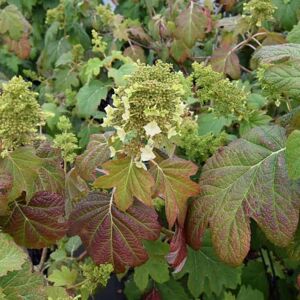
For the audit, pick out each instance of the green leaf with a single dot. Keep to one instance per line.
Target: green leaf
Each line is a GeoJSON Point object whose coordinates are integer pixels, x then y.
{"type": "Point", "coordinates": [294, 35]}
{"type": "Point", "coordinates": [247, 293]}
{"type": "Point", "coordinates": [172, 290]}
{"type": "Point", "coordinates": [254, 275]}
{"type": "Point", "coordinates": [287, 12]}
{"type": "Point", "coordinates": [65, 79]}
{"type": "Point", "coordinates": [13, 22]}
{"type": "Point", "coordinates": [63, 277]}
{"type": "Point", "coordinates": [112, 236]}
{"type": "Point", "coordinates": [38, 224]}
{"type": "Point", "coordinates": [191, 24]}
{"type": "Point", "coordinates": [73, 244]}
{"type": "Point", "coordinates": [55, 111]}
{"type": "Point", "coordinates": [173, 184]}
{"type": "Point", "coordinates": [210, 123]}
{"type": "Point", "coordinates": [292, 154]}
{"type": "Point", "coordinates": [56, 292]}
{"type": "Point", "coordinates": [129, 181]}
{"type": "Point", "coordinates": [247, 179]}
{"type": "Point", "coordinates": [23, 165]}
{"type": "Point", "coordinates": [119, 75]}
{"type": "Point", "coordinates": [155, 267]}
{"type": "Point", "coordinates": [89, 98]}
{"type": "Point", "coordinates": [293, 248]}
{"type": "Point", "coordinates": [285, 77]}
{"type": "Point", "coordinates": [96, 153]}
{"type": "Point", "coordinates": [12, 257]}
{"type": "Point", "coordinates": [258, 118]}
{"type": "Point", "coordinates": [206, 273]}
{"type": "Point", "coordinates": [275, 53]}
{"type": "Point", "coordinates": [92, 68]}
{"type": "Point", "coordinates": [23, 284]}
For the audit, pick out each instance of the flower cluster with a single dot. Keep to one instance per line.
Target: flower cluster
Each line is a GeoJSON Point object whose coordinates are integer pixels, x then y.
{"type": "Point", "coordinates": [99, 46]}
{"type": "Point", "coordinates": [199, 148]}
{"type": "Point", "coordinates": [257, 11]}
{"type": "Point", "coordinates": [148, 109]}
{"type": "Point", "coordinates": [20, 115]}
{"type": "Point", "coordinates": [56, 14]}
{"type": "Point", "coordinates": [106, 15]}
{"type": "Point", "coordinates": [225, 97]}
{"type": "Point", "coordinates": [95, 275]}
{"type": "Point", "coordinates": [66, 141]}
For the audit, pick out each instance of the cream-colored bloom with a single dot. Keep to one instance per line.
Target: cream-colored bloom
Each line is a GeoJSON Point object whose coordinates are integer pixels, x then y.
{"type": "Point", "coordinates": [147, 153]}
{"type": "Point", "coordinates": [121, 133]}
{"type": "Point", "coordinates": [172, 132]}
{"type": "Point", "coordinates": [152, 129]}
{"type": "Point", "coordinates": [112, 151]}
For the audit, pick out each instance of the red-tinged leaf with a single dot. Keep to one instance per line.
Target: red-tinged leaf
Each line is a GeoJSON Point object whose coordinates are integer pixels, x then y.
{"type": "Point", "coordinates": [179, 51]}
{"type": "Point", "coordinates": [178, 250]}
{"type": "Point", "coordinates": [228, 4]}
{"type": "Point", "coordinates": [23, 165]}
{"type": "Point", "coordinates": [129, 181]}
{"type": "Point", "coordinates": [247, 179]}
{"type": "Point", "coordinates": [39, 223]}
{"type": "Point", "coordinates": [135, 53]}
{"type": "Point", "coordinates": [191, 24]}
{"type": "Point", "coordinates": [96, 153]}
{"type": "Point", "coordinates": [112, 236]}
{"type": "Point", "coordinates": [173, 184]}
{"type": "Point", "coordinates": [225, 61]}
{"type": "Point", "coordinates": [76, 190]}
{"type": "Point", "coordinates": [20, 47]}
{"type": "Point", "coordinates": [139, 33]}
{"type": "Point", "coordinates": [6, 183]}
{"type": "Point", "coordinates": [152, 295]}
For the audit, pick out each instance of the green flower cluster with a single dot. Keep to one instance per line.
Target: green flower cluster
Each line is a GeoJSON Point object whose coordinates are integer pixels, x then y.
{"type": "Point", "coordinates": [257, 11]}
{"type": "Point", "coordinates": [148, 109]}
{"type": "Point", "coordinates": [106, 15]}
{"type": "Point", "coordinates": [199, 148]}
{"type": "Point", "coordinates": [66, 141]}
{"type": "Point", "coordinates": [56, 14]}
{"type": "Point", "coordinates": [20, 115]}
{"type": "Point", "coordinates": [225, 97]}
{"type": "Point", "coordinates": [99, 46]}
{"type": "Point", "coordinates": [95, 275]}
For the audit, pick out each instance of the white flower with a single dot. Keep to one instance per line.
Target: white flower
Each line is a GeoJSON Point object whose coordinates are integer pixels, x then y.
{"type": "Point", "coordinates": [112, 151]}
{"type": "Point", "coordinates": [152, 128]}
{"type": "Point", "coordinates": [147, 153]}
{"type": "Point", "coordinates": [172, 132]}
{"type": "Point", "coordinates": [121, 133]}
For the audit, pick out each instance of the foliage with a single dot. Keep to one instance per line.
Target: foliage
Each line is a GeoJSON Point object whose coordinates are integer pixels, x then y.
{"type": "Point", "coordinates": [157, 140]}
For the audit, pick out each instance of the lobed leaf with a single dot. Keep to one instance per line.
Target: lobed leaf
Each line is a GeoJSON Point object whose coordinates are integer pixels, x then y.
{"type": "Point", "coordinates": [113, 236]}
{"type": "Point", "coordinates": [129, 181]}
{"type": "Point", "coordinates": [173, 184]}
{"type": "Point", "coordinates": [39, 223]}
{"type": "Point", "coordinates": [247, 179]}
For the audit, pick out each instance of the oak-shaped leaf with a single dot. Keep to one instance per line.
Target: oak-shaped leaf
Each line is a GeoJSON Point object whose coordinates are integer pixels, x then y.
{"type": "Point", "coordinates": [39, 223]}
{"type": "Point", "coordinates": [96, 153]}
{"type": "Point", "coordinates": [12, 257]}
{"type": "Point", "coordinates": [112, 236]}
{"type": "Point", "coordinates": [23, 165]}
{"type": "Point", "coordinates": [206, 273]}
{"type": "Point", "coordinates": [23, 284]}
{"type": "Point", "coordinates": [191, 24]}
{"type": "Point", "coordinates": [155, 267]}
{"type": "Point", "coordinates": [128, 180]}
{"type": "Point", "coordinates": [247, 179]}
{"type": "Point", "coordinates": [173, 184]}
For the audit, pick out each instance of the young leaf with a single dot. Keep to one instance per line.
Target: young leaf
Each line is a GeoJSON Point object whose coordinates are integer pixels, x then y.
{"type": "Point", "coordinates": [191, 24]}
{"type": "Point", "coordinates": [39, 223]}
{"type": "Point", "coordinates": [292, 154]}
{"type": "Point", "coordinates": [23, 165]}
{"type": "Point", "coordinates": [294, 35]}
{"type": "Point", "coordinates": [12, 257]}
{"type": "Point", "coordinates": [112, 236]}
{"type": "Point", "coordinates": [173, 184]}
{"type": "Point", "coordinates": [96, 153]}
{"type": "Point", "coordinates": [206, 273]}
{"type": "Point", "coordinates": [247, 179]}
{"type": "Point", "coordinates": [247, 293]}
{"type": "Point", "coordinates": [23, 284]}
{"type": "Point", "coordinates": [63, 277]}
{"type": "Point", "coordinates": [155, 267]}
{"type": "Point", "coordinates": [129, 181]}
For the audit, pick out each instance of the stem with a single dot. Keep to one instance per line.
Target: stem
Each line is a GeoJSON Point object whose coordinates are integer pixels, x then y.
{"type": "Point", "coordinates": [167, 232]}
{"type": "Point", "coordinates": [43, 259]}
{"type": "Point", "coordinates": [82, 255]}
